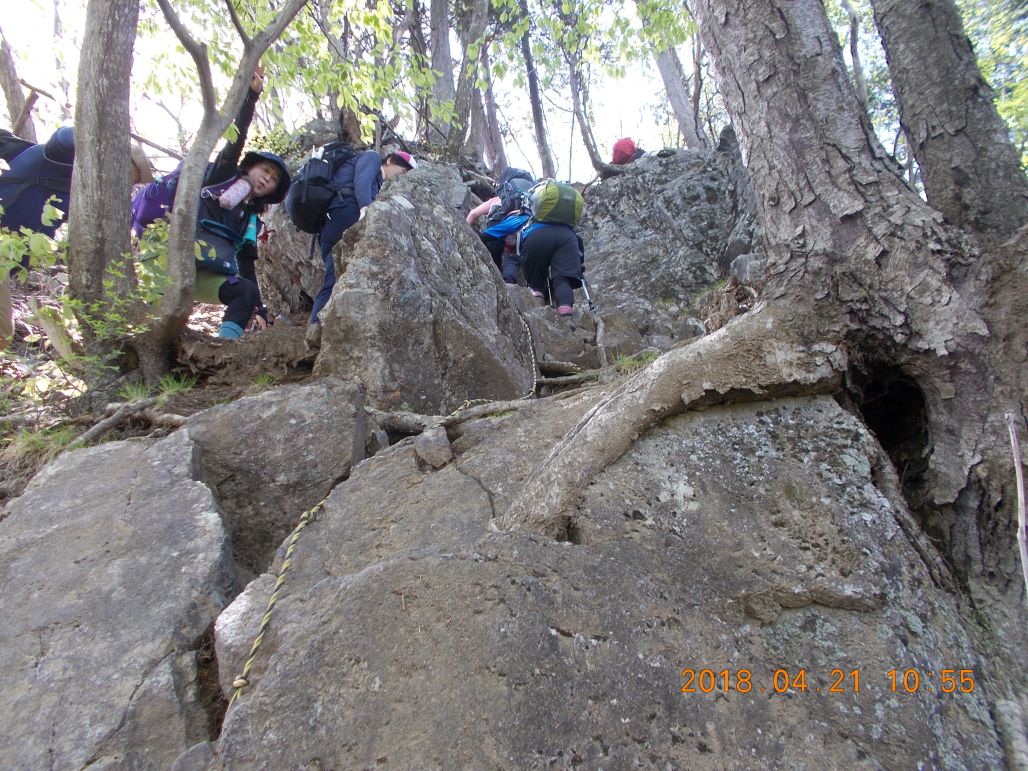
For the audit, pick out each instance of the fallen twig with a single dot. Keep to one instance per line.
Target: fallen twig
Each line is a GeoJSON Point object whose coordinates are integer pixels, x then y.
{"type": "Point", "coordinates": [23, 418]}
{"type": "Point", "coordinates": [164, 419]}
{"type": "Point", "coordinates": [121, 412]}
{"type": "Point", "coordinates": [413, 423]}
{"type": "Point", "coordinates": [558, 367]}
{"type": "Point", "coordinates": [401, 422]}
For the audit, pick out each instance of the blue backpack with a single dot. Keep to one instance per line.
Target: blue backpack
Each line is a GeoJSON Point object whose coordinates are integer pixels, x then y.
{"type": "Point", "coordinates": [511, 188]}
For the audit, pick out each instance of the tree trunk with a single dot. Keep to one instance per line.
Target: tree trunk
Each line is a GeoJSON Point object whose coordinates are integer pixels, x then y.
{"type": "Point", "coordinates": [13, 94]}
{"type": "Point", "coordinates": [495, 155]}
{"type": "Point", "coordinates": [419, 50]}
{"type": "Point", "coordinates": [579, 102]}
{"type": "Point", "coordinates": [472, 32]}
{"type": "Point", "coordinates": [443, 90]}
{"type": "Point", "coordinates": [535, 99]}
{"type": "Point", "coordinates": [176, 303]}
{"type": "Point", "coordinates": [62, 77]}
{"type": "Point", "coordinates": [474, 145]}
{"type": "Point", "coordinates": [970, 168]}
{"type": "Point", "coordinates": [677, 89]}
{"type": "Point", "coordinates": [98, 220]}
{"type": "Point", "coordinates": [865, 286]}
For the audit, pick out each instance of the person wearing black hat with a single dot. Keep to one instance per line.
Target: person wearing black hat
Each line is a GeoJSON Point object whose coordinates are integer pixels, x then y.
{"type": "Point", "coordinates": [228, 220]}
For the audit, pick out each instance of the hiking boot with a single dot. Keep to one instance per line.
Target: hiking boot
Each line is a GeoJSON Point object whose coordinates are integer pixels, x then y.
{"type": "Point", "coordinates": [565, 310]}
{"type": "Point", "coordinates": [536, 293]}
{"type": "Point", "coordinates": [313, 336]}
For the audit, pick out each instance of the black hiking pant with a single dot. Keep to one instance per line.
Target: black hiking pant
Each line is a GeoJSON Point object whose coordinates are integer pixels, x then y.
{"type": "Point", "coordinates": [552, 257]}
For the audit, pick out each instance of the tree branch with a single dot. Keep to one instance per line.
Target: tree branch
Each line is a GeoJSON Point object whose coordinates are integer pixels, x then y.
{"type": "Point", "coordinates": [198, 51]}
{"type": "Point", "coordinates": [154, 145]}
{"type": "Point", "coordinates": [121, 413]}
{"type": "Point", "coordinates": [237, 23]}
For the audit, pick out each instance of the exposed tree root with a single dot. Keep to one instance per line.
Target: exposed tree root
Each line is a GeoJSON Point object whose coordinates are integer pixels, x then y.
{"type": "Point", "coordinates": [413, 423]}
{"type": "Point", "coordinates": [118, 413]}
{"type": "Point", "coordinates": [753, 357]}
{"type": "Point", "coordinates": [567, 380]}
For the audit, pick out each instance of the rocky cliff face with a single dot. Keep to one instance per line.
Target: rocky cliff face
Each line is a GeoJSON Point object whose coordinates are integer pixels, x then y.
{"type": "Point", "coordinates": [745, 540]}
{"type": "Point", "coordinates": [732, 592]}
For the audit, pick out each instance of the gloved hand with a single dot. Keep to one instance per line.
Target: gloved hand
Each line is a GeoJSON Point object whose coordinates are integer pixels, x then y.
{"type": "Point", "coordinates": [260, 319]}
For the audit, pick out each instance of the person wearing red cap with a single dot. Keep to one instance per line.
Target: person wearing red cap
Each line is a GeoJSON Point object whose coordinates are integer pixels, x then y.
{"type": "Point", "coordinates": [626, 151]}
{"type": "Point", "coordinates": [357, 183]}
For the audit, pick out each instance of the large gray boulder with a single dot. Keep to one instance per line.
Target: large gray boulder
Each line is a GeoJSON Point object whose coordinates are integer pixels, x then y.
{"type": "Point", "coordinates": [419, 314]}
{"type": "Point", "coordinates": [271, 456]}
{"type": "Point", "coordinates": [669, 225]}
{"type": "Point", "coordinates": [114, 564]}
{"type": "Point", "coordinates": [762, 537]}
{"type": "Point", "coordinates": [291, 271]}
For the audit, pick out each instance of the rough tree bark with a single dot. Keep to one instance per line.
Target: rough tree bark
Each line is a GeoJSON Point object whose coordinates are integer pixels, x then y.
{"type": "Point", "coordinates": [535, 99]}
{"type": "Point", "coordinates": [98, 221]}
{"type": "Point", "coordinates": [970, 168]}
{"type": "Point", "coordinates": [13, 94]}
{"type": "Point", "coordinates": [677, 89]}
{"type": "Point", "coordinates": [864, 283]}
{"type": "Point", "coordinates": [474, 145]}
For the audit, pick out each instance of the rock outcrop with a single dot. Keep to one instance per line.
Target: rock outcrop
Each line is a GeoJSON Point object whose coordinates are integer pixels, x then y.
{"type": "Point", "coordinates": [419, 314]}
{"type": "Point", "coordinates": [751, 540]}
{"type": "Point", "coordinates": [743, 587]}
{"type": "Point", "coordinates": [271, 456]}
{"type": "Point", "coordinates": [115, 564]}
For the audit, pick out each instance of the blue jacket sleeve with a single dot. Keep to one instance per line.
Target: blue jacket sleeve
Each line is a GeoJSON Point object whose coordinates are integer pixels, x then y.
{"type": "Point", "coordinates": [510, 225]}
{"type": "Point", "coordinates": [367, 177]}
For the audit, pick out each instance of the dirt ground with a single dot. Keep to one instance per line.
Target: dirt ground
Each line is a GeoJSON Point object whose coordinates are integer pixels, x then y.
{"type": "Point", "coordinates": [43, 406]}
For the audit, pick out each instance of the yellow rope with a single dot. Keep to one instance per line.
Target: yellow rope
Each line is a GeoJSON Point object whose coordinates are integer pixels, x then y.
{"type": "Point", "coordinates": [240, 682]}
{"type": "Point", "coordinates": [243, 679]}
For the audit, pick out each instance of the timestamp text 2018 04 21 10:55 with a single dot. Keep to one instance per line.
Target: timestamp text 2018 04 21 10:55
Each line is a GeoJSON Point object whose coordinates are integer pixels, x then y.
{"type": "Point", "coordinates": [838, 681]}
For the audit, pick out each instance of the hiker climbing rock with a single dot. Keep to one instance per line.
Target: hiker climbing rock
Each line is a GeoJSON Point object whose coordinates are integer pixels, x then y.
{"type": "Point", "coordinates": [35, 174]}
{"type": "Point", "coordinates": [625, 151]}
{"type": "Point", "coordinates": [356, 181]}
{"type": "Point", "coordinates": [508, 201]}
{"type": "Point", "coordinates": [552, 253]}
{"type": "Point", "coordinates": [235, 193]}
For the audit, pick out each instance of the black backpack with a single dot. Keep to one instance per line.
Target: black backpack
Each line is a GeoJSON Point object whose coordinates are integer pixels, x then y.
{"type": "Point", "coordinates": [511, 189]}
{"type": "Point", "coordinates": [311, 191]}
{"type": "Point", "coordinates": [11, 145]}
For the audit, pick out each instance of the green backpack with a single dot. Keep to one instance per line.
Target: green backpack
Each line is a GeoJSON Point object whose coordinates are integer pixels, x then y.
{"type": "Point", "coordinates": [555, 202]}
